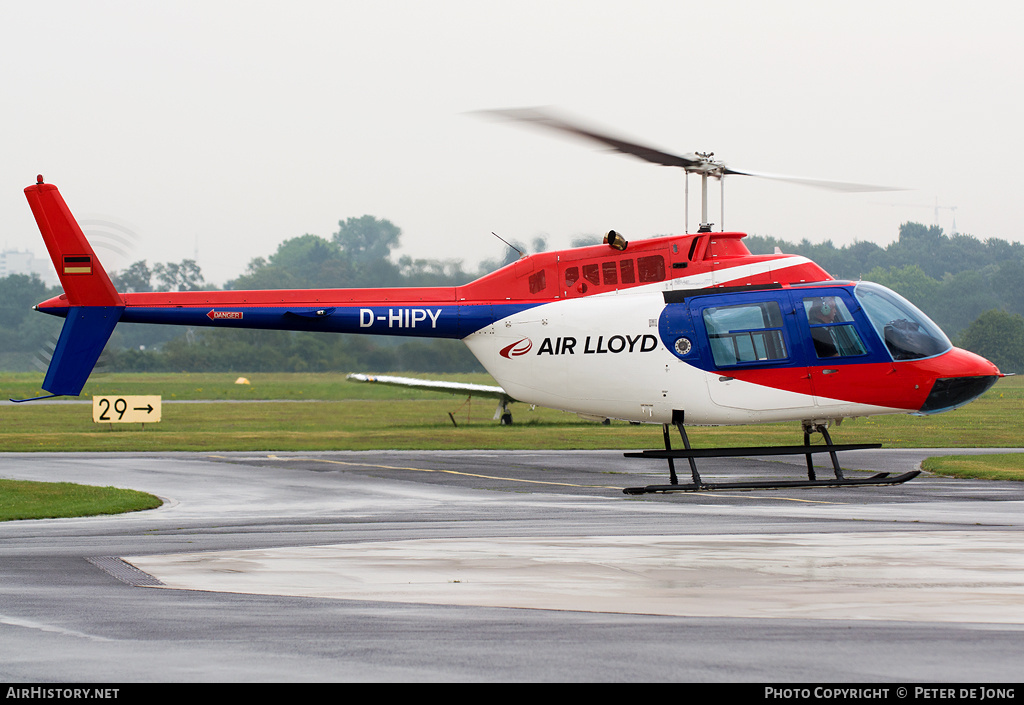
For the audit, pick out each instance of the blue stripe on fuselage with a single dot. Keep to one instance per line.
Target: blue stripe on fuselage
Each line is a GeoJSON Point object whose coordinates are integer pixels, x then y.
{"type": "Point", "coordinates": [415, 321]}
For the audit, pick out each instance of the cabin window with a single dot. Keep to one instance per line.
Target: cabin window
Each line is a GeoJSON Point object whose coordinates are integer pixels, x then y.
{"type": "Point", "coordinates": [651, 269]}
{"type": "Point", "coordinates": [832, 328]}
{"type": "Point", "coordinates": [745, 333]}
{"type": "Point", "coordinates": [592, 273]}
{"type": "Point", "coordinates": [572, 274]}
{"type": "Point", "coordinates": [538, 282]}
{"type": "Point", "coordinates": [610, 273]}
{"type": "Point", "coordinates": [626, 273]}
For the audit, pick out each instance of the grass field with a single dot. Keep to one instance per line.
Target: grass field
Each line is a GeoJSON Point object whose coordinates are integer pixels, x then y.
{"type": "Point", "coordinates": [45, 500]}
{"type": "Point", "coordinates": [341, 415]}
{"type": "Point", "coordinates": [983, 467]}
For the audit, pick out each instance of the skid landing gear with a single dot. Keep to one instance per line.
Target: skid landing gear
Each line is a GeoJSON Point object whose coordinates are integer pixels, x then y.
{"type": "Point", "coordinates": [697, 484]}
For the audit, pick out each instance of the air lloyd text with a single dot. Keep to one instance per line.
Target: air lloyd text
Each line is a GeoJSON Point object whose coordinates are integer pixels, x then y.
{"type": "Point", "coordinates": [614, 344]}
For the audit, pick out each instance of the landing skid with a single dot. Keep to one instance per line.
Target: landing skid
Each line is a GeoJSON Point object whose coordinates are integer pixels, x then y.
{"type": "Point", "coordinates": [806, 450]}
{"type": "Point", "coordinates": [881, 478]}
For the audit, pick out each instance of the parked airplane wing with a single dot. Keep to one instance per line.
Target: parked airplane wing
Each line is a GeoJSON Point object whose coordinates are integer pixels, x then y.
{"type": "Point", "coordinates": [476, 390]}
{"type": "Point", "coordinates": [472, 390]}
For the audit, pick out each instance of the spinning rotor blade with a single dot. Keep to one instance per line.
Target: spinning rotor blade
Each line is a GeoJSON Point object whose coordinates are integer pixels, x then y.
{"type": "Point", "coordinates": [701, 164]}
{"type": "Point", "coordinates": [845, 186]}
{"type": "Point", "coordinates": [538, 116]}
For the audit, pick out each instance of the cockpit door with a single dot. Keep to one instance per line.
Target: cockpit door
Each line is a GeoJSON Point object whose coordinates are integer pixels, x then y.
{"type": "Point", "coordinates": [845, 356]}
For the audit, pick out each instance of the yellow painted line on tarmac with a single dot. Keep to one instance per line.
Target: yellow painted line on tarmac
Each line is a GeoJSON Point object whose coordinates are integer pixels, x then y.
{"type": "Point", "coordinates": [449, 472]}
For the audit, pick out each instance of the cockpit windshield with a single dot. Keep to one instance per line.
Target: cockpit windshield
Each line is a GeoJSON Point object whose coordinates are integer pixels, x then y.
{"type": "Point", "coordinates": [907, 332]}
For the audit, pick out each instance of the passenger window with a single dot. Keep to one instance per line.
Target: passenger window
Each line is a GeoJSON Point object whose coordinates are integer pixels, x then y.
{"type": "Point", "coordinates": [745, 333]}
{"type": "Point", "coordinates": [572, 274]}
{"type": "Point", "coordinates": [538, 282]}
{"type": "Point", "coordinates": [609, 272]}
{"type": "Point", "coordinates": [832, 328]}
{"type": "Point", "coordinates": [626, 273]}
{"type": "Point", "coordinates": [592, 274]}
{"type": "Point", "coordinates": [651, 269]}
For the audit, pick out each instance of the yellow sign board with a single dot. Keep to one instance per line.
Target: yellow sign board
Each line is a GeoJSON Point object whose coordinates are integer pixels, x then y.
{"type": "Point", "coordinates": [126, 409]}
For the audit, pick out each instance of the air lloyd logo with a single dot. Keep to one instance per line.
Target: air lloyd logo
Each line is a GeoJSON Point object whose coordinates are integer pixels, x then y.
{"type": "Point", "coordinates": [591, 345]}
{"type": "Point", "coordinates": [520, 347]}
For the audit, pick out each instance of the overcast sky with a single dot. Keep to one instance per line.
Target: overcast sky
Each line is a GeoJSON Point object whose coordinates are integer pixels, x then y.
{"type": "Point", "coordinates": [223, 128]}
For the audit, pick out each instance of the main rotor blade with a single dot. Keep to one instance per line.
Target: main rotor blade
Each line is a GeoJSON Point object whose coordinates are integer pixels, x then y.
{"type": "Point", "coordinates": [845, 186]}
{"type": "Point", "coordinates": [545, 118]}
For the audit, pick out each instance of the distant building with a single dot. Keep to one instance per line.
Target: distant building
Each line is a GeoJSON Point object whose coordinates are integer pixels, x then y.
{"type": "Point", "coordinates": [18, 262]}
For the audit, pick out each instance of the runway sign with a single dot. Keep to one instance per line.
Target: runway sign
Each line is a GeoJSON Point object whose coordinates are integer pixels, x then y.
{"type": "Point", "coordinates": [133, 409]}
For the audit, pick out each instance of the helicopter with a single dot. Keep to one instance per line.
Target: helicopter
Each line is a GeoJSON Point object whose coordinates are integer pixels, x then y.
{"type": "Point", "coordinates": [680, 330]}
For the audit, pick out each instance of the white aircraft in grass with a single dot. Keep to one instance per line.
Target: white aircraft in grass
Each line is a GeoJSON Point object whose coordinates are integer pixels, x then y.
{"type": "Point", "coordinates": [502, 413]}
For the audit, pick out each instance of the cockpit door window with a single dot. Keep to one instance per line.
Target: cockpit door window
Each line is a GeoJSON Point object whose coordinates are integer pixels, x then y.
{"type": "Point", "coordinates": [832, 328]}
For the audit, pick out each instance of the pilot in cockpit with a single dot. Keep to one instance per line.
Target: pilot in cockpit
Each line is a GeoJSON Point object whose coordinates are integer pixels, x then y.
{"type": "Point", "coordinates": [823, 311]}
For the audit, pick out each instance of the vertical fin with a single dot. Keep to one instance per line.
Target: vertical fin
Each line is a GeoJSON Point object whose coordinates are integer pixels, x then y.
{"type": "Point", "coordinates": [94, 304]}
{"type": "Point", "coordinates": [84, 280]}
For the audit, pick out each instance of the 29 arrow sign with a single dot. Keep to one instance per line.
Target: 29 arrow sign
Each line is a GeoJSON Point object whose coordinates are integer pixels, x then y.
{"type": "Point", "coordinates": [126, 409]}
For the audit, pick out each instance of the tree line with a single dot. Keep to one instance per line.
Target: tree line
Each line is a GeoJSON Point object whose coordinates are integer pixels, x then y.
{"type": "Point", "coordinates": [974, 289]}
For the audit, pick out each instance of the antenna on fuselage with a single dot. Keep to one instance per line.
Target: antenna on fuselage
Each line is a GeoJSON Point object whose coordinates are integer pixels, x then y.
{"type": "Point", "coordinates": [521, 253]}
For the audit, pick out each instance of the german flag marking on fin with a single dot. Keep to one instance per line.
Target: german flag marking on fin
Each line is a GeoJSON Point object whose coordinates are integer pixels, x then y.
{"type": "Point", "coordinates": [77, 264]}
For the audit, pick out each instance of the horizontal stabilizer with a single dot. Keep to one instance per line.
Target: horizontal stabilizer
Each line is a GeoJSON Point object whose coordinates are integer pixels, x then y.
{"type": "Point", "coordinates": [85, 333]}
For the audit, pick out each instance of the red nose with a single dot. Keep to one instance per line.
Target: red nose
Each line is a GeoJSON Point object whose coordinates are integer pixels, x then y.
{"type": "Point", "coordinates": [959, 377]}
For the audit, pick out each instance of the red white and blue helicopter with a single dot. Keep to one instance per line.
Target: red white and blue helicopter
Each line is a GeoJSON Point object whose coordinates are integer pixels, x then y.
{"type": "Point", "coordinates": [680, 330]}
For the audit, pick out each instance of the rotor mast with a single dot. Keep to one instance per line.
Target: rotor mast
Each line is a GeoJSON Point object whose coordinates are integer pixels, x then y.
{"type": "Point", "coordinates": [704, 165]}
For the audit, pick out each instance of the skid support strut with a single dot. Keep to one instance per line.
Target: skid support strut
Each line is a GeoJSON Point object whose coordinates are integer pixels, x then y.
{"type": "Point", "coordinates": [671, 465]}
{"type": "Point", "coordinates": [820, 428]}
{"type": "Point", "coordinates": [806, 450]}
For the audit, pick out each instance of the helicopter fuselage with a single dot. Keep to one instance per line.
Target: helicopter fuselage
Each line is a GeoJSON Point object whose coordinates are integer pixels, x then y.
{"type": "Point", "coordinates": [690, 328]}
